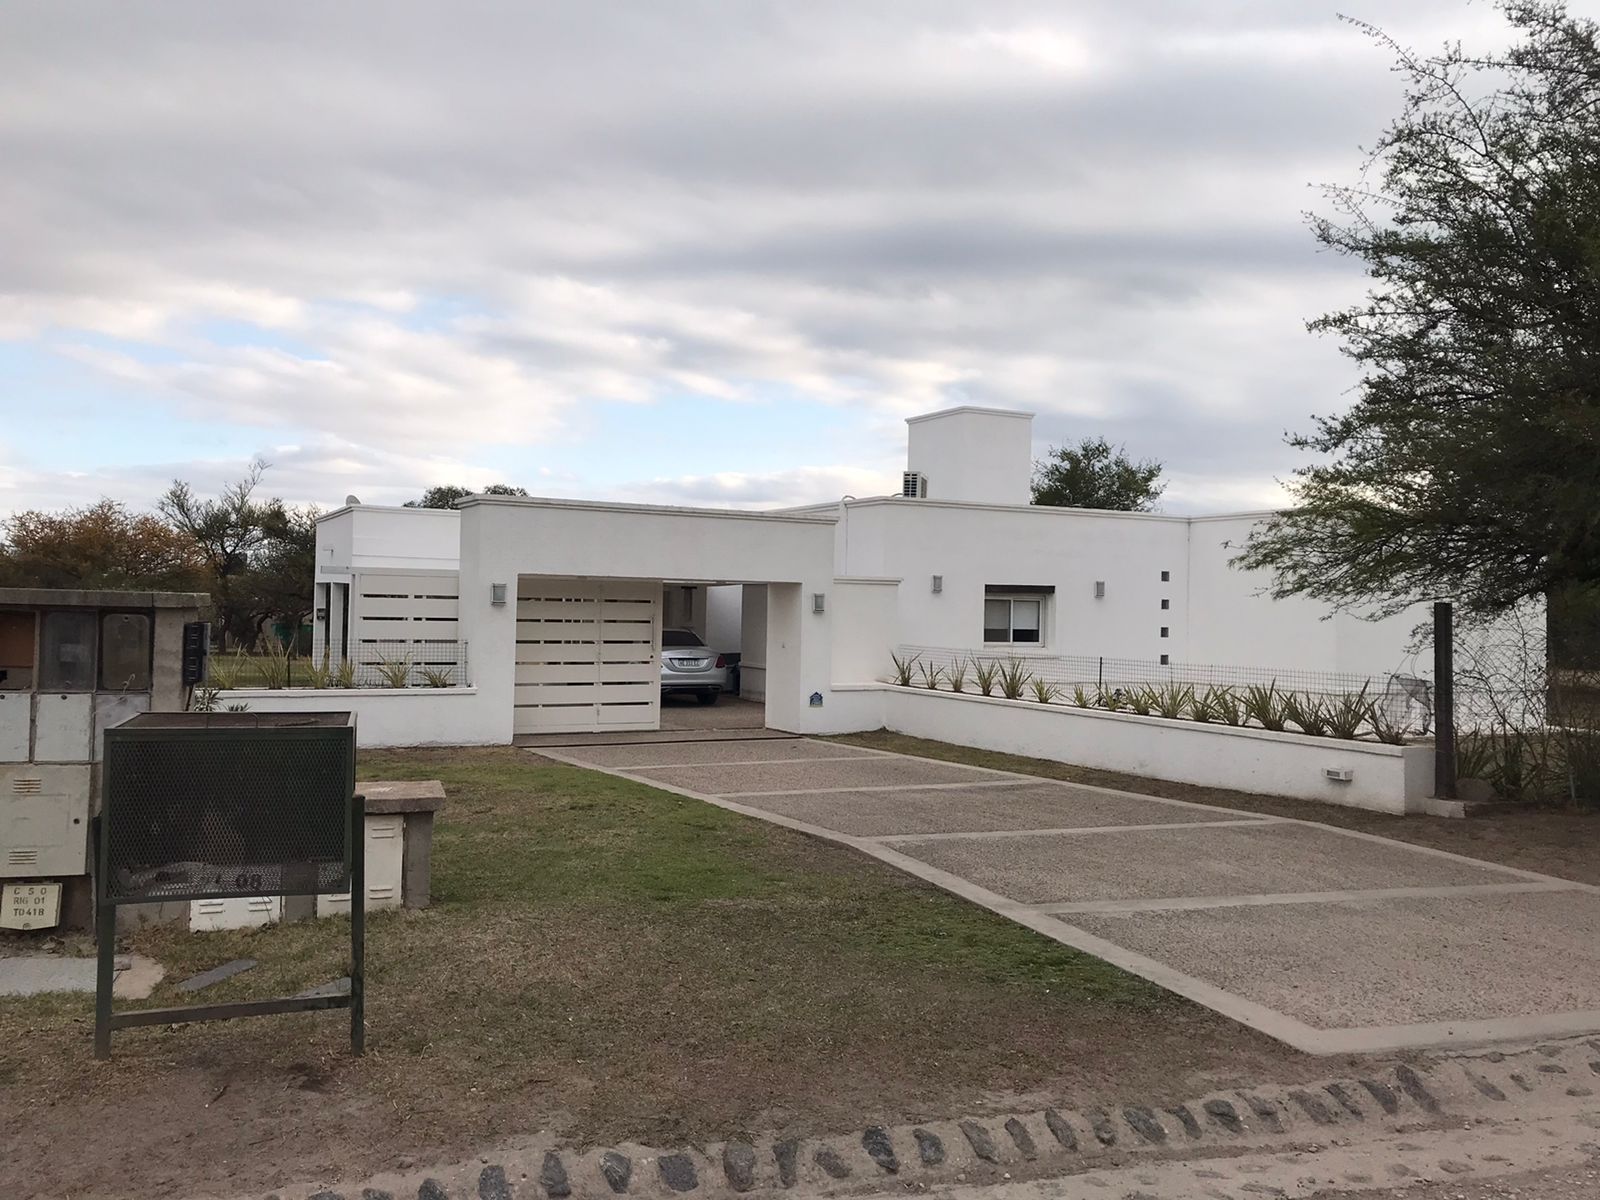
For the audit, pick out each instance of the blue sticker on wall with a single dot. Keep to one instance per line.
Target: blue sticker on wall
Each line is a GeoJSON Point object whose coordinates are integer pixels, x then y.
{"type": "Point", "coordinates": [816, 699]}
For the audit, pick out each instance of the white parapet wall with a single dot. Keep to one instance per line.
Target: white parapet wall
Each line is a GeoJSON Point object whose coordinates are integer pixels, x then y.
{"type": "Point", "coordinates": [385, 716]}
{"type": "Point", "coordinates": [1384, 778]}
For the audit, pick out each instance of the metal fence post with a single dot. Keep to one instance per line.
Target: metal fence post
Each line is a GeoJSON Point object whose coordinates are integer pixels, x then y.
{"type": "Point", "coordinates": [1444, 701]}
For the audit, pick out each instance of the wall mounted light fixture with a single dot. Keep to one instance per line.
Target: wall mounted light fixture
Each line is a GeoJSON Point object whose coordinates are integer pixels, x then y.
{"type": "Point", "coordinates": [818, 602]}
{"type": "Point", "coordinates": [938, 584]}
{"type": "Point", "coordinates": [497, 595]}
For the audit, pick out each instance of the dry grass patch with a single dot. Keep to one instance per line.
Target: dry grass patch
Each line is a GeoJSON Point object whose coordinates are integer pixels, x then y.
{"type": "Point", "coordinates": [610, 962]}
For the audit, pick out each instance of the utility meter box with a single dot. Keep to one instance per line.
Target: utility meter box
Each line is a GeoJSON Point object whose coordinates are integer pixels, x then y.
{"type": "Point", "coordinates": [44, 819]}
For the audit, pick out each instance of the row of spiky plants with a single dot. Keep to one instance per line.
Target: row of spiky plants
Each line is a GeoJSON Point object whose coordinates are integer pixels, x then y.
{"type": "Point", "coordinates": [277, 669]}
{"type": "Point", "coordinates": [1264, 706]}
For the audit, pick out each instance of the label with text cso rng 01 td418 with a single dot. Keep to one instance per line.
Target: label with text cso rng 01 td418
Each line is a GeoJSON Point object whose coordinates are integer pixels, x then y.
{"type": "Point", "coordinates": [30, 905]}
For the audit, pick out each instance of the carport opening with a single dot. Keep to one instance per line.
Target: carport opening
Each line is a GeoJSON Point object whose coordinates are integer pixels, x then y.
{"type": "Point", "coordinates": [704, 629]}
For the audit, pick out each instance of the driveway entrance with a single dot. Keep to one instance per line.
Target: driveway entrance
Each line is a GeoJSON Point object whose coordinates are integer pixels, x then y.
{"type": "Point", "coordinates": [1330, 940]}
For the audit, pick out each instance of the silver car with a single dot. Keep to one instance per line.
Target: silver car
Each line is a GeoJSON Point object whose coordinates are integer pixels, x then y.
{"type": "Point", "coordinates": [687, 665]}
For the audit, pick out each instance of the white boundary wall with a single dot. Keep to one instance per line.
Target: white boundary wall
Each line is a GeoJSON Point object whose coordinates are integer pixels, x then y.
{"type": "Point", "coordinates": [387, 716]}
{"type": "Point", "coordinates": [1395, 779]}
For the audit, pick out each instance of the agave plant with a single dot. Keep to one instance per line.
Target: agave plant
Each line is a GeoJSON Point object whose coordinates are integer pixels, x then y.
{"type": "Point", "coordinates": [1308, 712]}
{"type": "Point", "coordinates": [987, 674]}
{"type": "Point", "coordinates": [1387, 730]}
{"type": "Point", "coordinates": [1113, 699]}
{"type": "Point", "coordinates": [274, 664]}
{"type": "Point", "coordinates": [227, 672]}
{"type": "Point", "coordinates": [1264, 706]}
{"type": "Point", "coordinates": [1173, 700]}
{"type": "Point", "coordinates": [1081, 698]}
{"type": "Point", "coordinates": [320, 675]}
{"type": "Point", "coordinates": [1014, 677]}
{"type": "Point", "coordinates": [1204, 707]}
{"type": "Point", "coordinates": [344, 675]}
{"type": "Point", "coordinates": [932, 673]}
{"type": "Point", "coordinates": [395, 672]}
{"type": "Point", "coordinates": [956, 673]}
{"type": "Point", "coordinates": [436, 677]}
{"type": "Point", "coordinates": [1348, 713]}
{"type": "Point", "coordinates": [1044, 691]}
{"type": "Point", "coordinates": [905, 669]}
{"type": "Point", "coordinates": [1142, 700]}
{"type": "Point", "coordinates": [1227, 705]}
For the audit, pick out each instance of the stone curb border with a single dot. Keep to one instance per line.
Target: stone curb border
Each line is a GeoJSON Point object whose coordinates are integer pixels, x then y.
{"type": "Point", "coordinates": [1026, 1145]}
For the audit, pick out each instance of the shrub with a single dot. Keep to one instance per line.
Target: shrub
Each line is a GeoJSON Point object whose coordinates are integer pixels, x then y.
{"type": "Point", "coordinates": [1173, 700]}
{"type": "Point", "coordinates": [205, 698]}
{"type": "Point", "coordinates": [1308, 712]}
{"type": "Point", "coordinates": [931, 674]}
{"type": "Point", "coordinates": [320, 676]}
{"type": "Point", "coordinates": [1081, 698]}
{"type": "Point", "coordinates": [227, 672]}
{"type": "Point", "coordinates": [274, 665]}
{"type": "Point", "coordinates": [1264, 706]}
{"type": "Point", "coordinates": [395, 672]}
{"type": "Point", "coordinates": [436, 677]}
{"type": "Point", "coordinates": [905, 669]}
{"type": "Point", "coordinates": [1014, 678]}
{"type": "Point", "coordinates": [1045, 692]}
{"type": "Point", "coordinates": [987, 674]}
{"type": "Point", "coordinates": [1228, 704]}
{"type": "Point", "coordinates": [956, 673]}
{"type": "Point", "coordinates": [1348, 713]}
{"type": "Point", "coordinates": [1203, 708]}
{"type": "Point", "coordinates": [1142, 700]}
{"type": "Point", "coordinates": [344, 675]}
{"type": "Point", "coordinates": [1113, 700]}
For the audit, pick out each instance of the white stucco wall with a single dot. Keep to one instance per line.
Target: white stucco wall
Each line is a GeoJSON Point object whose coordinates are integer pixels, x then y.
{"type": "Point", "coordinates": [974, 546]}
{"type": "Point", "coordinates": [1385, 778]}
{"type": "Point", "coordinates": [502, 538]}
{"type": "Point", "coordinates": [976, 455]}
{"type": "Point", "coordinates": [389, 716]}
{"type": "Point", "coordinates": [1231, 621]}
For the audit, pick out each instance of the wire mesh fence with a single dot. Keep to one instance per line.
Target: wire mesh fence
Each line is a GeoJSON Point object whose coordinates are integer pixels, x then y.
{"type": "Point", "coordinates": [1402, 700]}
{"type": "Point", "coordinates": [372, 663]}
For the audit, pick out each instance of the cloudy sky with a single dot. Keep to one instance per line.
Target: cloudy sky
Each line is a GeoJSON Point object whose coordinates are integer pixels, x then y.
{"type": "Point", "coordinates": [697, 251]}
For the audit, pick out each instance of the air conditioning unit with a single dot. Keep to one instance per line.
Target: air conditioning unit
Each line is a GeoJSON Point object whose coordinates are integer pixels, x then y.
{"type": "Point", "coordinates": [914, 485]}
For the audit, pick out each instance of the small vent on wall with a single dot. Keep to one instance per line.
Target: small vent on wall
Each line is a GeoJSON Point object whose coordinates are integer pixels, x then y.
{"type": "Point", "coordinates": [22, 856]}
{"type": "Point", "coordinates": [27, 787]}
{"type": "Point", "coordinates": [914, 485]}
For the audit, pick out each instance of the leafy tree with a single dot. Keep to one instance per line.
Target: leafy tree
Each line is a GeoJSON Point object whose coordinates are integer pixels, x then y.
{"type": "Point", "coordinates": [1093, 475]}
{"type": "Point", "coordinates": [279, 585]}
{"type": "Point", "coordinates": [1469, 465]}
{"type": "Point", "coordinates": [445, 495]}
{"type": "Point", "coordinates": [228, 532]}
{"type": "Point", "coordinates": [100, 545]}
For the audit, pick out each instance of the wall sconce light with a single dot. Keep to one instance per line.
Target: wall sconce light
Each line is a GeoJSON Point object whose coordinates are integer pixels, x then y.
{"type": "Point", "coordinates": [1100, 589]}
{"type": "Point", "coordinates": [938, 584]}
{"type": "Point", "coordinates": [497, 595]}
{"type": "Point", "coordinates": [818, 601]}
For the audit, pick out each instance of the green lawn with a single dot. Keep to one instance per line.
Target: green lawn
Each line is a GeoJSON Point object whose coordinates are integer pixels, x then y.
{"type": "Point", "coordinates": [613, 962]}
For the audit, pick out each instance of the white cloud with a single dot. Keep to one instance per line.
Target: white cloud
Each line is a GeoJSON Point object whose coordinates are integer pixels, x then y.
{"type": "Point", "coordinates": [445, 231]}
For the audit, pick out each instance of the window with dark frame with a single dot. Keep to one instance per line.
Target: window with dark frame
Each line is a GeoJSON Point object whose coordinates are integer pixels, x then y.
{"type": "Point", "coordinates": [1163, 631]}
{"type": "Point", "coordinates": [1017, 619]}
{"type": "Point", "coordinates": [1165, 604]}
{"type": "Point", "coordinates": [1166, 577]}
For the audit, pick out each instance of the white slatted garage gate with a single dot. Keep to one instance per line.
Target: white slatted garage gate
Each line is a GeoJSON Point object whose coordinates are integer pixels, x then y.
{"type": "Point", "coordinates": [587, 655]}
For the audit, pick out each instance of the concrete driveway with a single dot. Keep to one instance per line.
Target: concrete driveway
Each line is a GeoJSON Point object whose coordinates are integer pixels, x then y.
{"type": "Point", "coordinates": [1330, 940]}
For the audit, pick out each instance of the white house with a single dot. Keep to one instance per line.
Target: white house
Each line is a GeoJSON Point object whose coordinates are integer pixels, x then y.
{"type": "Point", "coordinates": [551, 610]}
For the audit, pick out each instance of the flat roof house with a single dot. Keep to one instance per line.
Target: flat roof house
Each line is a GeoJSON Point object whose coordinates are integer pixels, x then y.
{"type": "Point", "coordinates": [550, 611]}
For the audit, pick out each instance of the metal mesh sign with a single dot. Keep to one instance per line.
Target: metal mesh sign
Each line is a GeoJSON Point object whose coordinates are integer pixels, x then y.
{"type": "Point", "coordinates": [217, 805]}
